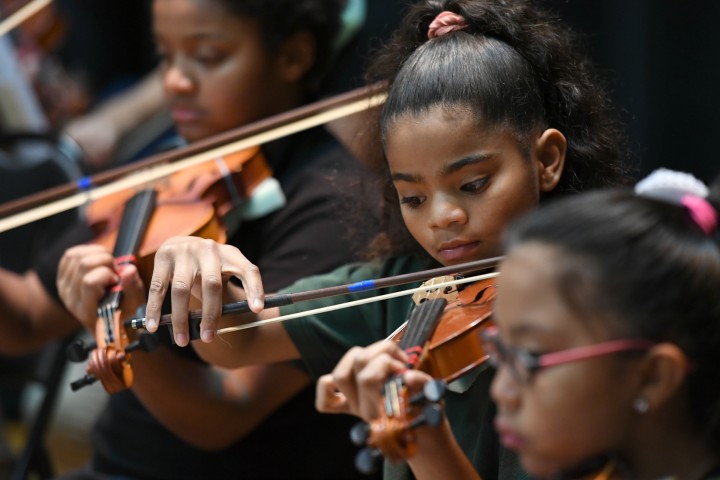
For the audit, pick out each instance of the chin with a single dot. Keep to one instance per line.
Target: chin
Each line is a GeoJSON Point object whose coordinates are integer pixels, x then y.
{"type": "Point", "coordinates": [538, 467]}
{"type": "Point", "coordinates": [193, 133]}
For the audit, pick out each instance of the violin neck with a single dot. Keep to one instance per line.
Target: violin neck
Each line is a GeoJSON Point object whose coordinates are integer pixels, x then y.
{"type": "Point", "coordinates": [134, 222]}
{"type": "Point", "coordinates": [421, 325]}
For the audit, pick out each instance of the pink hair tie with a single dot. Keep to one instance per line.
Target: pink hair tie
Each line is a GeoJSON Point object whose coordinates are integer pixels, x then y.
{"type": "Point", "coordinates": [445, 23]}
{"type": "Point", "coordinates": [701, 212]}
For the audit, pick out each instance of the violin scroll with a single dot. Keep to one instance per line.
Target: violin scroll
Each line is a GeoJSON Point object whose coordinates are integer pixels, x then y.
{"type": "Point", "coordinates": [392, 435]}
{"type": "Point", "coordinates": [108, 363]}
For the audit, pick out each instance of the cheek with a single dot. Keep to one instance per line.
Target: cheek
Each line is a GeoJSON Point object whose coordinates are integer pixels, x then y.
{"type": "Point", "coordinates": [235, 96]}
{"type": "Point", "coordinates": [570, 418]}
{"type": "Point", "coordinates": [512, 200]}
{"type": "Point", "coordinates": [416, 225]}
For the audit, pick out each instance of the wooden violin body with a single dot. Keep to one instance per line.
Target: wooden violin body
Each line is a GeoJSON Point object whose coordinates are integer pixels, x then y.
{"type": "Point", "coordinates": [135, 225]}
{"type": "Point", "coordinates": [452, 349]}
{"type": "Point", "coordinates": [455, 348]}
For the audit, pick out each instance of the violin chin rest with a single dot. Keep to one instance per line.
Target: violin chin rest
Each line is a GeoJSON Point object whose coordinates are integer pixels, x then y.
{"type": "Point", "coordinates": [265, 198]}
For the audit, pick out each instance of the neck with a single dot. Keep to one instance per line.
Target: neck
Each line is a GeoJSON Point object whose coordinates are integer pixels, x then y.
{"type": "Point", "coordinates": [287, 98]}
{"type": "Point", "coordinates": [667, 446]}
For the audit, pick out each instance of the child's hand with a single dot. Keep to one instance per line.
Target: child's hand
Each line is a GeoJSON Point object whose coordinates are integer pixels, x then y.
{"type": "Point", "coordinates": [84, 275]}
{"type": "Point", "coordinates": [201, 267]}
{"type": "Point", "coordinates": [355, 385]}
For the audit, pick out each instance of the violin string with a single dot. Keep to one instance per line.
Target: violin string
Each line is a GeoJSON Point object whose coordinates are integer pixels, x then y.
{"type": "Point", "coordinates": [227, 180]}
{"type": "Point", "coordinates": [354, 303]}
{"type": "Point", "coordinates": [422, 322]}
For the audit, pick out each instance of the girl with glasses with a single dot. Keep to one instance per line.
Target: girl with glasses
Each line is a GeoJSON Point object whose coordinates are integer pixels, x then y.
{"type": "Point", "coordinates": [608, 328]}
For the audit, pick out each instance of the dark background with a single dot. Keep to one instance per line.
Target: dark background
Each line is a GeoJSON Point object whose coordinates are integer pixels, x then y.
{"type": "Point", "coordinates": [660, 59]}
{"type": "Point", "coordinates": [662, 62]}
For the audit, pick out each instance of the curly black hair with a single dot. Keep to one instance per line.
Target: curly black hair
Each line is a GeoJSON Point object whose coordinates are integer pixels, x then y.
{"type": "Point", "coordinates": [516, 67]}
{"type": "Point", "coordinates": [280, 19]}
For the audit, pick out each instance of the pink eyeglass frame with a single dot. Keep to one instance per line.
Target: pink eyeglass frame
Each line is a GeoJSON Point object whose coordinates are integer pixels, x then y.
{"type": "Point", "coordinates": [578, 353]}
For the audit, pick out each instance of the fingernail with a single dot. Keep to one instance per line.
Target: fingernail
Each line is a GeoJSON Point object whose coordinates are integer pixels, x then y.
{"type": "Point", "coordinates": [151, 323]}
{"type": "Point", "coordinates": [207, 335]}
{"type": "Point", "coordinates": [257, 303]}
{"type": "Point", "coordinates": [181, 339]}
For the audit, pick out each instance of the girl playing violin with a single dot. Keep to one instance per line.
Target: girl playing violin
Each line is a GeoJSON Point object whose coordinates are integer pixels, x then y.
{"type": "Point", "coordinates": [606, 345]}
{"type": "Point", "coordinates": [491, 108]}
{"type": "Point", "coordinates": [225, 63]}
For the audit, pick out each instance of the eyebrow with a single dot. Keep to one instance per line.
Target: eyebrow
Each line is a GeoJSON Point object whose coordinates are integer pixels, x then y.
{"type": "Point", "coordinates": [447, 169]}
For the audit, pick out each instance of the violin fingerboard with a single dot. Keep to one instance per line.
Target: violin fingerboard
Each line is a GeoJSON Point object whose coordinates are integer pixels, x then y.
{"type": "Point", "coordinates": [422, 323]}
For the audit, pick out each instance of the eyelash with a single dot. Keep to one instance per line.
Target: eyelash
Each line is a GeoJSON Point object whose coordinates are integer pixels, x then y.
{"type": "Point", "coordinates": [209, 60]}
{"type": "Point", "coordinates": [476, 186]}
{"type": "Point", "coordinates": [411, 202]}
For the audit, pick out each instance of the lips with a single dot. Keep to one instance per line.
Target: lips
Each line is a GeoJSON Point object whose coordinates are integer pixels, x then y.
{"type": "Point", "coordinates": [182, 114]}
{"type": "Point", "coordinates": [508, 437]}
{"type": "Point", "coordinates": [457, 250]}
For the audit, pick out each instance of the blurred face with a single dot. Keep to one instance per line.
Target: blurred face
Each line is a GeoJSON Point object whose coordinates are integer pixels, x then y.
{"type": "Point", "coordinates": [565, 413]}
{"type": "Point", "coordinates": [458, 185]}
{"type": "Point", "coordinates": [217, 76]}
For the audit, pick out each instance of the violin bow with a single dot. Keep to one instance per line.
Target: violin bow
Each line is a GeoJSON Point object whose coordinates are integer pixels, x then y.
{"type": "Point", "coordinates": [238, 308]}
{"type": "Point", "coordinates": [22, 14]}
{"type": "Point", "coordinates": [66, 197]}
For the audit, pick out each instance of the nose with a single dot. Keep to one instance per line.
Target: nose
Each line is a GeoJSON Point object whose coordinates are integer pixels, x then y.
{"type": "Point", "coordinates": [504, 389]}
{"type": "Point", "coordinates": [446, 212]}
{"type": "Point", "coordinates": [176, 80]}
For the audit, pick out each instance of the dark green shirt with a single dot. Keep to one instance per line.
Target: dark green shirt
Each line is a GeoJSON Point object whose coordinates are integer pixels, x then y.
{"type": "Point", "coordinates": [323, 339]}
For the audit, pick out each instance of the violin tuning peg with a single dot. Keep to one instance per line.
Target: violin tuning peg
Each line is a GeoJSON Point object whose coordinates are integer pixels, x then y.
{"type": "Point", "coordinates": [147, 342]}
{"type": "Point", "coordinates": [368, 460]}
{"type": "Point", "coordinates": [434, 390]}
{"type": "Point", "coordinates": [359, 434]}
{"type": "Point", "coordinates": [83, 382]}
{"type": "Point", "coordinates": [78, 350]}
{"type": "Point", "coordinates": [431, 416]}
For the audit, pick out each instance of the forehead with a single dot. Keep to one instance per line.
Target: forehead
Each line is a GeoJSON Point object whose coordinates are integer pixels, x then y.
{"type": "Point", "coordinates": [440, 135]}
{"type": "Point", "coordinates": [529, 298]}
{"type": "Point", "coordinates": [197, 18]}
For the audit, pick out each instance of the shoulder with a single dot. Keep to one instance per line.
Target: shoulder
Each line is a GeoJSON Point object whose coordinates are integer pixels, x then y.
{"type": "Point", "coordinates": [319, 159]}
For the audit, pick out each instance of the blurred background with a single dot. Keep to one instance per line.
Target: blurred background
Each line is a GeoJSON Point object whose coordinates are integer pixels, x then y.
{"type": "Point", "coordinates": [660, 60]}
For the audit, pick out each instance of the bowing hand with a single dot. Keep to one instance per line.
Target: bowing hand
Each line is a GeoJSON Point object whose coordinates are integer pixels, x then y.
{"type": "Point", "coordinates": [192, 266]}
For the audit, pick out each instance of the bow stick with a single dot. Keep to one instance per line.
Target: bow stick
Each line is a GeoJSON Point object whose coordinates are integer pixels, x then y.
{"type": "Point", "coordinates": [21, 15]}
{"type": "Point", "coordinates": [237, 308]}
{"type": "Point", "coordinates": [35, 207]}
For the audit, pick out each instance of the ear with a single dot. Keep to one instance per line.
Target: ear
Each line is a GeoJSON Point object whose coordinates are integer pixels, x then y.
{"type": "Point", "coordinates": [550, 150]}
{"type": "Point", "coordinates": [296, 57]}
{"type": "Point", "coordinates": [663, 373]}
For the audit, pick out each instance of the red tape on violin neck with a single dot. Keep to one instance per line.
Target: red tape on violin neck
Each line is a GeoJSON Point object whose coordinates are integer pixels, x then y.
{"type": "Point", "coordinates": [125, 260]}
{"type": "Point", "coordinates": [414, 353]}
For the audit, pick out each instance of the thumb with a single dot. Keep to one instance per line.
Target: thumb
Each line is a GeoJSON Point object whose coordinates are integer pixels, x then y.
{"type": "Point", "coordinates": [328, 399]}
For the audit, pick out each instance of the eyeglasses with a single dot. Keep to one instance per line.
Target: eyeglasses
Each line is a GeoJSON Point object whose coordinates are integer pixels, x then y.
{"type": "Point", "coordinates": [523, 364]}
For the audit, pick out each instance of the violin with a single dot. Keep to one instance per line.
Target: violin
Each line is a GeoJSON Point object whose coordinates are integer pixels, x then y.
{"type": "Point", "coordinates": [66, 197]}
{"type": "Point", "coordinates": [443, 338]}
{"type": "Point", "coordinates": [194, 202]}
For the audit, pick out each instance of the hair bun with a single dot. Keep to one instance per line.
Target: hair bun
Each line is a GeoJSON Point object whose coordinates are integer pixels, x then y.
{"type": "Point", "coordinates": [670, 186]}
